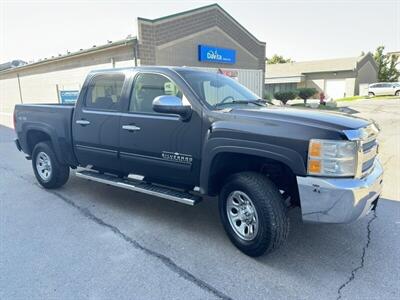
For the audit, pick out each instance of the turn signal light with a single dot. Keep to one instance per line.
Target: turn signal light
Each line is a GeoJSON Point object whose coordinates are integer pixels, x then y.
{"type": "Point", "coordinates": [314, 166]}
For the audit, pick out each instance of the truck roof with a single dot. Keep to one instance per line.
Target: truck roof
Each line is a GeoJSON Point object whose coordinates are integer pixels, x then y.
{"type": "Point", "coordinates": [152, 68]}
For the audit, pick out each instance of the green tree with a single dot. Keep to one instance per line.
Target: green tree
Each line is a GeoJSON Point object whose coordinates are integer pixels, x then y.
{"type": "Point", "coordinates": [387, 66]}
{"type": "Point", "coordinates": [285, 96]}
{"type": "Point", "coordinates": [278, 59]}
{"type": "Point", "coordinates": [306, 93]}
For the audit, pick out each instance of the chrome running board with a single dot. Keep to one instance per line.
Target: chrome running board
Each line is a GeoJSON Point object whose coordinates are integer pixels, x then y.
{"type": "Point", "coordinates": [141, 187]}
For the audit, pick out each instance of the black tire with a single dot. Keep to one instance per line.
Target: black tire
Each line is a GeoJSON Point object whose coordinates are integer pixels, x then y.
{"type": "Point", "coordinates": [273, 223]}
{"type": "Point", "coordinates": [59, 173]}
{"type": "Point", "coordinates": [371, 94]}
{"type": "Point", "coordinates": [397, 93]}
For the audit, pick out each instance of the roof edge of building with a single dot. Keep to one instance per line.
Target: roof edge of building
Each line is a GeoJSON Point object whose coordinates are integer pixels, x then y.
{"type": "Point", "coordinates": [357, 63]}
{"type": "Point", "coordinates": [214, 5]}
{"type": "Point", "coordinates": [99, 48]}
{"type": "Point", "coordinates": [369, 56]}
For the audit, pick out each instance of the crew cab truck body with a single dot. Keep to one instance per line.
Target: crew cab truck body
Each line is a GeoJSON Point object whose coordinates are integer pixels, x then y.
{"type": "Point", "coordinates": [186, 133]}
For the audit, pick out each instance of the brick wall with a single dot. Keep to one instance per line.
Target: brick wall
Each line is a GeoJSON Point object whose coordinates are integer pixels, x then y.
{"type": "Point", "coordinates": [153, 34]}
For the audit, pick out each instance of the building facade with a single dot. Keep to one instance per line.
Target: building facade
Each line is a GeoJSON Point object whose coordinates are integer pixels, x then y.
{"type": "Point", "coordinates": [207, 37]}
{"type": "Point", "coordinates": [336, 78]}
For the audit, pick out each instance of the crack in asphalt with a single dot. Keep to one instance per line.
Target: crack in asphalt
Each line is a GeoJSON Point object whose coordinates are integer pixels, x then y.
{"type": "Point", "coordinates": [364, 251]}
{"type": "Point", "coordinates": [168, 262]}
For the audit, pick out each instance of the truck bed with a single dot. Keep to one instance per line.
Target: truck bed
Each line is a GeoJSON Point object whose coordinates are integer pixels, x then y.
{"type": "Point", "coordinates": [54, 119]}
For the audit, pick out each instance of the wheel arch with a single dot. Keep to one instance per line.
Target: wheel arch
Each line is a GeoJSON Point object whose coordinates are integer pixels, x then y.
{"type": "Point", "coordinates": [34, 137]}
{"type": "Point", "coordinates": [37, 134]}
{"type": "Point", "coordinates": [225, 160]}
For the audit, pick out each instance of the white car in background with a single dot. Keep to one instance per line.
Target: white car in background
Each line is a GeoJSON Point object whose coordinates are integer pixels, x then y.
{"type": "Point", "coordinates": [384, 88]}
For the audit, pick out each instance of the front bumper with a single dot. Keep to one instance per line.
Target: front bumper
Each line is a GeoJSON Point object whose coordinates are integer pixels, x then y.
{"type": "Point", "coordinates": [332, 200]}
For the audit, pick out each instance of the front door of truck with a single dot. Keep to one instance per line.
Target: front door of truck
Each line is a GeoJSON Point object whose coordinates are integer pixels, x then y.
{"type": "Point", "coordinates": [159, 146]}
{"type": "Point", "coordinates": [96, 121]}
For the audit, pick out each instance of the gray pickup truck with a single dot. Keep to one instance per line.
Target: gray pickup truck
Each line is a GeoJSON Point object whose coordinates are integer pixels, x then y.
{"type": "Point", "coordinates": [182, 134]}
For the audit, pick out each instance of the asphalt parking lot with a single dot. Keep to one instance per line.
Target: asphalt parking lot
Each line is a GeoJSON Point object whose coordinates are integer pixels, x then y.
{"type": "Point", "coordinates": [91, 241]}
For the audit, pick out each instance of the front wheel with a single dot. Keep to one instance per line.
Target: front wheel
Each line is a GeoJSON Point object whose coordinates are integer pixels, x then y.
{"type": "Point", "coordinates": [397, 93]}
{"type": "Point", "coordinates": [253, 213]}
{"type": "Point", "coordinates": [48, 170]}
{"type": "Point", "coordinates": [371, 94]}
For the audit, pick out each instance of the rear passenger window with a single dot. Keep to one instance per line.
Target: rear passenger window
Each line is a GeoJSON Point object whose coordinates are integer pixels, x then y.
{"type": "Point", "coordinates": [104, 92]}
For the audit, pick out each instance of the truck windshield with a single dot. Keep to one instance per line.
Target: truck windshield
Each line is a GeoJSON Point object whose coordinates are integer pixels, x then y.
{"type": "Point", "coordinates": [220, 91]}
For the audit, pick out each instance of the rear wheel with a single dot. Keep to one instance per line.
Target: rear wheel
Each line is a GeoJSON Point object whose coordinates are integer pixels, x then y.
{"type": "Point", "coordinates": [397, 93]}
{"type": "Point", "coordinates": [371, 94]}
{"type": "Point", "coordinates": [48, 170]}
{"type": "Point", "coordinates": [253, 213]}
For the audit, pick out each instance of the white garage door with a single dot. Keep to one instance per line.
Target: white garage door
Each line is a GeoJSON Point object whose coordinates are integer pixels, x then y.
{"type": "Point", "coordinates": [335, 88]}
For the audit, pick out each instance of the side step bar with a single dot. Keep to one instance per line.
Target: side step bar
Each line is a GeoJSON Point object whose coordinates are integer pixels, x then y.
{"type": "Point", "coordinates": [141, 187]}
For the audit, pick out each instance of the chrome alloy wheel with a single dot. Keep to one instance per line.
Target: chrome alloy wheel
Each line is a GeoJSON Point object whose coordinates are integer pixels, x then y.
{"type": "Point", "coordinates": [242, 215]}
{"type": "Point", "coordinates": [43, 166]}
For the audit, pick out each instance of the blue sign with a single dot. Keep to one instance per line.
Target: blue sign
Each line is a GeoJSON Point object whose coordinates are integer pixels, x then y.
{"type": "Point", "coordinates": [69, 97]}
{"type": "Point", "coordinates": [217, 55]}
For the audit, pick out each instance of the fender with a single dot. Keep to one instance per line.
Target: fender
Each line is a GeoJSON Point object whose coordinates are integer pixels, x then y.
{"type": "Point", "coordinates": [216, 146]}
{"type": "Point", "coordinates": [59, 142]}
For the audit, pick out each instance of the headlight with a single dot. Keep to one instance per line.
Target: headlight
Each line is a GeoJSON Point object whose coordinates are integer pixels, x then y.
{"type": "Point", "coordinates": [332, 158]}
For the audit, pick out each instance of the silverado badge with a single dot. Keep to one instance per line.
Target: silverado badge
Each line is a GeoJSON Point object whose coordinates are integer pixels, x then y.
{"type": "Point", "coordinates": [177, 157]}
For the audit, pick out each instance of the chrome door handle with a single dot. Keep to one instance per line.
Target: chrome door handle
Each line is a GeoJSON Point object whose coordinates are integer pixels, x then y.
{"type": "Point", "coordinates": [82, 122]}
{"type": "Point", "coordinates": [131, 127]}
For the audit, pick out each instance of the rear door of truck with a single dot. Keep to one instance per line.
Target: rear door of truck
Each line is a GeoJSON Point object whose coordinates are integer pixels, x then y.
{"type": "Point", "coordinates": [96, 123]}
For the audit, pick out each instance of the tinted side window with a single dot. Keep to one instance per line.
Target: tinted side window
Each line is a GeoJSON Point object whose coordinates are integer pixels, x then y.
{"type": "Point", "coordinates": [149, 86]}
{"type": "Point", "coordinates": [105, 91]}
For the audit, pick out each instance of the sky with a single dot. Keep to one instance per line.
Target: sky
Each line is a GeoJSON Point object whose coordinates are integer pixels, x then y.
{"type": "Point", "coordinates": [298, 29]}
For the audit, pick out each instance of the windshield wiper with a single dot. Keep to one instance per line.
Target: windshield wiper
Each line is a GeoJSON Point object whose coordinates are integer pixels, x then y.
{"type": "Point", "coordinates": [259, 102]}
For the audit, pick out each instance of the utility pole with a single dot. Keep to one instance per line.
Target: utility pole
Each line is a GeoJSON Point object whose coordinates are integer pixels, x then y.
{"type": "Point", "coordinates": [19, 89]}
{"type": "Point", "coordinates": [135, 51]}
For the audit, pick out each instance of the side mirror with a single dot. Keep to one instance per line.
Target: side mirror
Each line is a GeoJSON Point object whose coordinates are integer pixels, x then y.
{"type": "Point", "coordinates": [172, 105]}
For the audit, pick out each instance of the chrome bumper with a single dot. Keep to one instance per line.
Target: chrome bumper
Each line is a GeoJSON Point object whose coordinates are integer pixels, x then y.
{"type": "Point", "coordinates": [329, 200]}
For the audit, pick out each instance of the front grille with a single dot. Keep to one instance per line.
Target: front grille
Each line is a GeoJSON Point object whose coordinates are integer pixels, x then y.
{"type": "Point", "coordinates": [367, 148]}
{"type": "Point", "coordinates": [368, 145]}
{"type": "Point", "coordinates": [370, 151]}
{"type": "Point", "coordinates": [367, 165]}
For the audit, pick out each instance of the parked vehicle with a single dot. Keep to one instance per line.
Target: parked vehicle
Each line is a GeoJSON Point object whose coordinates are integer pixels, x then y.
{"type": "Point", "coordinates": [186, 134]}
{"type": "Point", "coordinates": [384, 88]}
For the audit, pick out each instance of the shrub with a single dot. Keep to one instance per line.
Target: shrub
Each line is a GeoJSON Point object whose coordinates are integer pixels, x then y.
{"type": "Point", "coordinates": [267, 96]}
{"type": "Point", "coordinates": [285, 96]}
{"type": "Point", "coordinates": [306, 93]}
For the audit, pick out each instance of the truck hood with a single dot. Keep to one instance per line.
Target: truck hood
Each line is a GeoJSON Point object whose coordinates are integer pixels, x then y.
{"type": "Point", "coordinates": [328, 120]}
